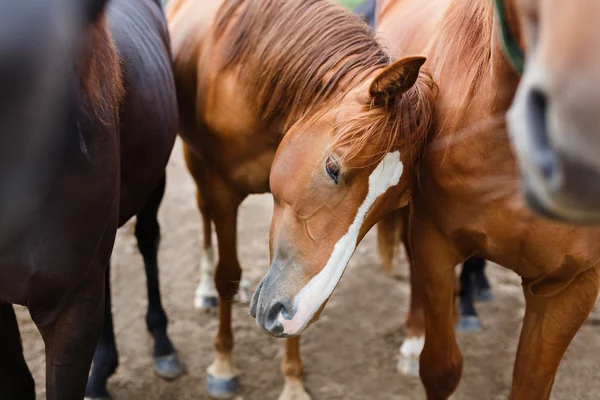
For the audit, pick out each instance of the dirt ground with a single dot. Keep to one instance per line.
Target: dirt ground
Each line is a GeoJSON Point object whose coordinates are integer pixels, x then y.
{"type": "Point", "coordinates": [349, 354]}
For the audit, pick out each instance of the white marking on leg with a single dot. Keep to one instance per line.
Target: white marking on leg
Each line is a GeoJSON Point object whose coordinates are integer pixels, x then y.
{"type": "Point", "coordinates": [206, 287]}
{"type": "Point", "coordinates": [293, 389]}
{"type": "Point", "coordinates": [243, 295]}
{"type": "Point", "coordinates": [310, 298]}
{"type": "Point", "coordinates": [412, 347]}
{"type": "Point", "coordinates": [222, 367]}
{"type": "Point", "coordinates": [410, 351]}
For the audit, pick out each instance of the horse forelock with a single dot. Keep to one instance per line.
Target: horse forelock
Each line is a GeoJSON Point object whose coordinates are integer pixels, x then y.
{"type": "Point", "coordinates": [295, 57]}
{"type": "Point", "coordinates": [402, 124]}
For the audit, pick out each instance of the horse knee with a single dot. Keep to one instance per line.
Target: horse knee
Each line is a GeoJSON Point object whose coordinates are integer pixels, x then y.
{"type": "Point", "coordinates": [227, 280]}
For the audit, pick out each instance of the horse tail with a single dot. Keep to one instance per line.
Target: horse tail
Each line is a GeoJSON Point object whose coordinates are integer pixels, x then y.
{"type": "Point", "coordinates": [389, 236]}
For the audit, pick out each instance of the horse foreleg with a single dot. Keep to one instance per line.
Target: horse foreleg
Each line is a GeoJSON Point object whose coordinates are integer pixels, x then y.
{"type": "Point", "coordinates": [106, 357]}
{"type": "Point", "coordinates": [70, 334]}
{"type": "Point", "coordinates": [16, 381]}
{"type": "Point", "coordinates": [167, 363]}
{"type": "Point", "coordinates": [292, 369]}
{"type": "Point", "coordinates": [222, 373]}
{"type": "Point", "coordinates": [551, 321]}
{"type": "Point", "coordinates": [441, 360]}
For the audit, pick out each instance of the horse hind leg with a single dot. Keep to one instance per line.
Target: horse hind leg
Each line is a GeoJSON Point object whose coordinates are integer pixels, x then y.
{"type": "Point", "coordinates": [482, 290]}
{"type": "Point", "coordinates": [292, 369]}
{"type": "Point", "coordinates": [16, 381]}
{"type": "Point", "coordinates": [469, 320]}
{"type": "Point", "coordinates": [167, 362]}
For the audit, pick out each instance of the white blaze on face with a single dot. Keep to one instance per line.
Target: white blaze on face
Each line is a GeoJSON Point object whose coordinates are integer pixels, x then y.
{"type": "Point", "coordinates": [312, 296]}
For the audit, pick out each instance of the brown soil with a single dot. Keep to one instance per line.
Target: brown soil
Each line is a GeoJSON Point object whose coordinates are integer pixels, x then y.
{"type": "Point", "coordinates": [349, 354]}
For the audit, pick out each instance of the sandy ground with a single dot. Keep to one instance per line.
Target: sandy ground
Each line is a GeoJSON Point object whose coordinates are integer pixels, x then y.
{"type": "Point", "coordinates": [349, 354]}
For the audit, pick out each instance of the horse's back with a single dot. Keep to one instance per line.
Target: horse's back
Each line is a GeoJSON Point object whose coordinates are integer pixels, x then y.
{"type": "Point", "coordinates": [149, 114]}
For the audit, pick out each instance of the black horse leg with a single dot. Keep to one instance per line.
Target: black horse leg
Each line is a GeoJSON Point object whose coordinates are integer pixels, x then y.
{"type": "Point", "coordinates": [147, 232]}
{"type": "Point", "coordinates": [16, 382]}
{"type": "Point", "coordinates": [482, 290]}
{"type": "Point", "coordinates": [469, 321]}
{"type": "Point", "coordinates": [106, 358]}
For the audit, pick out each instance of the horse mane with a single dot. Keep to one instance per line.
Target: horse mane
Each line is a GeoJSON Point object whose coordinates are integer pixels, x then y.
{"type": "Point", "coordinates": [295, 56]}
{"type": "Point", "coordinates": [465, 33]}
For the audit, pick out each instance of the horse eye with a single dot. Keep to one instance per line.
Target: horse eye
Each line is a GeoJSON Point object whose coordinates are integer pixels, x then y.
{"type": "Point", "coordinates": [333, 169]}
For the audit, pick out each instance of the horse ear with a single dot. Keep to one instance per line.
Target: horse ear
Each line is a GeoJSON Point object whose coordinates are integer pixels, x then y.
{"type": "Point", "coordinates": [395, 80]}
{"type": "Point", "coordinates": [94, 8]}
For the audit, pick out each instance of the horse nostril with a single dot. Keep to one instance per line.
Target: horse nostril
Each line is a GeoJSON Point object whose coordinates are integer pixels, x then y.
{"type": "Point", "coordinates": [537, 125]}
{"type": "Point", "coordinates": [272, 323]}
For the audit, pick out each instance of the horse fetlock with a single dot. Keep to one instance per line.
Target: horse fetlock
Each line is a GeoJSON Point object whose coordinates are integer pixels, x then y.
{"type": "Point", "coordinates": [293, 389]}
{"type": "Point", "coordinates": [206, 295]}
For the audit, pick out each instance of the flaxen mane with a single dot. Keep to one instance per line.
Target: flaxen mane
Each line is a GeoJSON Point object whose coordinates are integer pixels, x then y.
{"type": "Point", "coordinates": [297, 56]}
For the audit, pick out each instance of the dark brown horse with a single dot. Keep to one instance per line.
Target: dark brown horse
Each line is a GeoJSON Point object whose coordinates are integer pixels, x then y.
{"type": "Point", "coordinates": [464, 196]}
{"type": "Point", "coordinates": [139, 30]}
{"type": "Point", "coordinates": [554, 120]}
{"type": "Point", "coordinates": [114, 136]}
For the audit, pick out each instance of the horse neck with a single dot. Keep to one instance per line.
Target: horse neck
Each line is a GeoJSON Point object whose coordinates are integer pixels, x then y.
{"type": "Point", "coordinates": [476, 81]}
{"type": "Point", "coordinates": [469, 155]}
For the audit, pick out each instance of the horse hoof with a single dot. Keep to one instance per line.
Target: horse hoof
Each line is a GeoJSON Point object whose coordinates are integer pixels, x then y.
{"type": "Point", "coordinates": [468, 323]}
{"type": "Point", "coordinates": [168, 367]}
{"type": "Point", "coordinates": [208, 303]}
{"type": "Point", "coordinates": [408, 366]}
{"type": "Point", "coordinates": [483, 295]}
{"type": "Point", "coordinates": [222, 388]}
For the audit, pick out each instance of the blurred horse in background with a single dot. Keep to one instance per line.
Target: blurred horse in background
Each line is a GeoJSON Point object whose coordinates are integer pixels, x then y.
{"type": "Point", "coordinates": [464, 195]}
{"type": "Point", "coordinates": [63, 99]}
{"type": "Point", "coordinates": [246, 71]}
{"type": "Point", "coordinates": [554, 120]}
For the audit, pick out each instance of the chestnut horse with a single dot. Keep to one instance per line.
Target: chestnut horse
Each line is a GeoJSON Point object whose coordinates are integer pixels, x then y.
{"type": "Point", "coordinates": [54, 256]}
{"type": "Point", "coordinates": [247, 70]}
{"type": "Point", "coordinates": [465, 201]}
{"type": "Point", "coordinates": [472, 284]}
{"type": "Point", "coordinates": [554, 118]}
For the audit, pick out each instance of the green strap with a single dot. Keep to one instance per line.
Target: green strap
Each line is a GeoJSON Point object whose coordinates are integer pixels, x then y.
{"type": "Point", "coordinates": [512, 50]}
